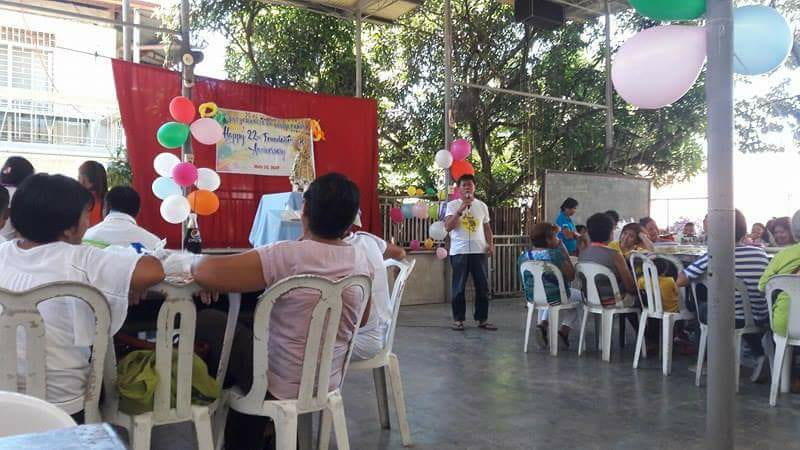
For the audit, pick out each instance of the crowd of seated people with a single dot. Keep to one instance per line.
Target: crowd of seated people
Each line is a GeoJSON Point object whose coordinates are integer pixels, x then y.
{"type": "Point", "coordinates": [52, 217]}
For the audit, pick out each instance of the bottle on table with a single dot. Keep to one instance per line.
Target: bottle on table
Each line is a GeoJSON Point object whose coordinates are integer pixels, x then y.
{"type": "Point", "coordinates": [192, 241]}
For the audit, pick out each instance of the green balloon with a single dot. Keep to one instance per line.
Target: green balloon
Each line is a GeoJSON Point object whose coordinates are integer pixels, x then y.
{"type": "Point", "coordinates": [670, 9]}
{"type": "Point", "coordinates": [433, 211]}
{"type": "Point", "coordinates": [430, 191]}
{"type": "Point", "coordinates": [172, 134]}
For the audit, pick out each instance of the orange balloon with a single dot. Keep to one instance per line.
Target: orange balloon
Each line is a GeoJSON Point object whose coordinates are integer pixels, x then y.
{"type": "Point", "coordinates": [461, 168]}
{"type": "Point", "coordinates": [203, 202]}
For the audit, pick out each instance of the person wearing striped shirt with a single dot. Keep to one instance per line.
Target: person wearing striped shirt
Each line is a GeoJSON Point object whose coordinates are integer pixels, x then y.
{"type": "Point", "coordinates": [750, 263]}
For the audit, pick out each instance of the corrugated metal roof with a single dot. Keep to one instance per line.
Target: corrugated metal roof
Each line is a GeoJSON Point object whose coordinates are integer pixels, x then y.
{"type": "Point", "coordinates": [373, 10]}
{"type": "Point", "coordinates": [586, 9]}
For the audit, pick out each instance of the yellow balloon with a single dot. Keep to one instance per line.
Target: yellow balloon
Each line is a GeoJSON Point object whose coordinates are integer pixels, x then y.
{"type": "Point", "coordinates": [412, 191]}
{"type": "Point", "coordinates": [442, 195]}
{"type": "Point", "coordinates": [428, 244]}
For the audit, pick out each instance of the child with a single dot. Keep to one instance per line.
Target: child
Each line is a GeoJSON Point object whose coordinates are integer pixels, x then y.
{"type": "Point", "coordinates": [51, 213]}
{"type": "Point", "coordinates": [669, 290]}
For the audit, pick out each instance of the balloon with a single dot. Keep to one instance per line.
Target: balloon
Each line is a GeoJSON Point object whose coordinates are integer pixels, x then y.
{"type": "Point", "coordinates": [657, 66]}
{"type": "Point", "coordinates": [461, 168]}
{"type": "Point", "coordinates": [175, 209]}
{"type": "Point", "coordinates": [203, 202]}
{"type": "Point", "coordinates": [164, 163]}
{"type": "Point", "coordinates": [172, 134]}
{"type": "Point", "coordinates": [670, 9]}
{"type": "Point", "coordinates": [761, 39]}
{"type": "Point", "coordinates": [412, 191]}
{"type": "Point", "coordinates": [442, 195]}
{"type": "Point", "coordinates": [420, 210]}
{"type": "Point", "coordinates": [396, 215]}
{"type": "Point", "coordinates": [414, 245]}
{"type": "Point", "coordinates": [207, 131]}
{"type": "Point", "coordinates": [207, 179]}
{"type": "Point", "coordinates": [460, 149]}
{"type": "Point", "coordinates": [430, 192]}
{"type": "Point", "coordinates": [408, 211]}
{"type": "Point", "coordinates": [437, 231]}
{"type": "Point", "coordinates": [441, 253]}
{"type": "Point", "coordinates": [184, 174]}
{"type": "Point", "coordinates": [419, 192]}
{"type": "Point", "coordinates": [163, 187]}
{"type": "Point", "coordinates": [442, 210]}
{"type": "Point", "coordinates": [456, 194]}
{"type": "Point", "coordinates": [182, 109]}
{"type": "Point", "coordinates": [433, 210]}
{"type": "Point", "coordinates": [443, 159]}
{"type": "Point", "coordinates": [428, 244]}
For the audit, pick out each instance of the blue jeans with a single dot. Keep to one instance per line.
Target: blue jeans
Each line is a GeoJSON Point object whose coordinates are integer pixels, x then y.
{"type": "Point", "coordinates": [463, 266]}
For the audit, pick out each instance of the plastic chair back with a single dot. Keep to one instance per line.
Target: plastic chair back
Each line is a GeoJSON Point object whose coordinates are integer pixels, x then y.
{"type": "Point", "coordinates": [679, 266]}
{"type": "Point", "coordinates": [538, 269]}
{"type": "Point", "coordinates": [790, 284]}
{"type": "Point", "coordinates": [321, 337]}
{"type": "Point", "coordinates": [591, 271]}
{"type": "Point", "coordinates": [652, 288]}
{"type": "Point", "coordinates": [24, 414]}
{"type": "Point", "coordinates": [406, 268]}
{"type": "Point", "coordinates": [636, 261]}
{"type": "Point", "coordinates": [741, 290]}
{"type": "Point", "coordinates": [21, 317]}
{"type": "Point", "coordinates": [694, 284]}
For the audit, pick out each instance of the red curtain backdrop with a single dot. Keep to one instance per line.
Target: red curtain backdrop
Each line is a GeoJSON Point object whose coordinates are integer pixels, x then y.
{"type": "Point", "coordinates": [351, 146]}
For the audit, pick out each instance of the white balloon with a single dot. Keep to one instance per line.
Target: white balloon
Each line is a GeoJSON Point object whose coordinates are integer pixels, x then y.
{"type": "Point", "coordinates": [437, 231]}
{"type": "Point", "coordinates": [164, 163]}
{"type": "Point", "coordinates": [444, 159]}
{"type": "Point", "coordinates": [207, 179]}
{"type": "Point", "coordinates": [175, 209]}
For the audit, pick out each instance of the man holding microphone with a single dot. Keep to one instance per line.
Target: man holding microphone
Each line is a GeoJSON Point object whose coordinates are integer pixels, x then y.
{"type": "Point", "coordinates": [467, 221]}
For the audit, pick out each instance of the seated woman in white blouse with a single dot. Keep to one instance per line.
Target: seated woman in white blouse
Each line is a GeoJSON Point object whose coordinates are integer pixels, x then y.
{"type": "Point", "coordinates": [51, 214]}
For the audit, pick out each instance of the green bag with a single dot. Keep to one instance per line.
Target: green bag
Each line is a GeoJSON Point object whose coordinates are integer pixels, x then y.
{"type": "Point", "coordinates": [137, 379]}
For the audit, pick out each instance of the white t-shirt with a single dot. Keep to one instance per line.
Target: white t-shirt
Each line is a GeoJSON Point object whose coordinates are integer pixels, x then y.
{"type": "Point", "coordinates": [374, 248]}
{"type": "Point", "coordinates": [69, 323]}
{"type": "Point", "coordinates": [121, 229]}
{"type": "Point", "coordinates": [468, 237]}
{"type": "Point", "coordinates": [8, 231]}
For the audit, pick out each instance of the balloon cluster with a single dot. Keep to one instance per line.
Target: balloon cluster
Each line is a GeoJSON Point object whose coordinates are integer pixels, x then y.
{"type": "Point", "coordinates": [456, 159]}
{"type": "Point", "coordinates": [174, 174]}
{"type": "Point", "coordinates": [657, 66]}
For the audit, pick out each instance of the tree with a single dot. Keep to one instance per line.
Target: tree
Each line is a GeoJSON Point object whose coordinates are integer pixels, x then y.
{"type": "Point", "coordinates": [514, 138]}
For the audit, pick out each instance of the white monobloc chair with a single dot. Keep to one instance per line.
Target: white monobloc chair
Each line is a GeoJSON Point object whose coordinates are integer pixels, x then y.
{"type": "Point", "coordinates": [653, 309]}
{"type": "Point", "coordinates": [750, 327]}
{"type": "Point", "coordinates": [593, 305]}
{"type": "Point", "coordinates": [388, 360]}
{"type": "Point", "coordinates": [177, 304]}
{"type": "Point", "coordinates": [313, 393]}
{"type": "Point", "coordinates": [781, 367]}
{"type": "Point", "coordinates": [24, 414]}
{"type": "Point", "coordinates": [20, 315]}
{"type": "Point", "coordinates": [538, 269]}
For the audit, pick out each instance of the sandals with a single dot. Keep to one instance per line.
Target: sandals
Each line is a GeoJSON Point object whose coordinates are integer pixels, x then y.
{"type": "Point", "coordinates": [487, 326]}
{"type": "Point", "coordinates": [457, 326]}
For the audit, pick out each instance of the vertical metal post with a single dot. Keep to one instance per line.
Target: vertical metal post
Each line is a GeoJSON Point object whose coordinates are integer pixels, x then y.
{"type": "Point", "coordinates": [609, 146]}
{"type": "Point", "coordinates": [358, 54]}
{"type": "Point", "coordinates": [127, 36]}
{"type": "Point", "coordinates": [137, 36]}
{"type": "Point", "coordinates": [448, 106]}
{"type": "Point", "coordinates": [187, 65]}
{"type": "Point", "coordinates": [719, 92]}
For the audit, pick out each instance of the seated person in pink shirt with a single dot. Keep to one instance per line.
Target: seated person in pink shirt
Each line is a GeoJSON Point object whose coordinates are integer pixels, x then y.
{"type": "Point", "coordinates": [331, 204]}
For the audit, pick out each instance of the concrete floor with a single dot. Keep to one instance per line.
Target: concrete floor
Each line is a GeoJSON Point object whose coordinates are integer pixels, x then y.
{"type": "Point", "coordinates": [477, 390]}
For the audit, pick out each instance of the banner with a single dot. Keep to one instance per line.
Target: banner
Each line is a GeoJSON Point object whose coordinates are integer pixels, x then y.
{"type": "Point", "coordinates": [258, 144]}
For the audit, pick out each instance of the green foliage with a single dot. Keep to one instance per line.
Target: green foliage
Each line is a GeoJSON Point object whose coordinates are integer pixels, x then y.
{"type": "Point", "coordinates": [118, 170]}
{"type": "Point", "coordinates": [514, 138]}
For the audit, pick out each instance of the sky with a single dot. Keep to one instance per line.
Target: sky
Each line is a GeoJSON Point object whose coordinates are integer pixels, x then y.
{"type": "Point", "coordinates": [762, 187]}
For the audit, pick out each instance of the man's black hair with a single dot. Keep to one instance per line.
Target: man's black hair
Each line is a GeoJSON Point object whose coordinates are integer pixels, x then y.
{"type": "Point", "coordinates": [44, 206]}
{"type": "Point", "coordinates": [123, 199]}
{"type": "Point", "coordinates": [600, 227]}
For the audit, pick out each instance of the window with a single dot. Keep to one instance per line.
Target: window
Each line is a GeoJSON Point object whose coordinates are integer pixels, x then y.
{"type": "Point", "coordinates": [26, 59]}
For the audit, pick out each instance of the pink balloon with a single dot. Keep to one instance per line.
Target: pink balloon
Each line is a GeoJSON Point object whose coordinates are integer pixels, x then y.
{"type": "Point", "coordinates": [456, 194]}
{"type": "Point", "coordinates": [396, 215]}
{"type": "Point", "coordinates": [415, 245]}
{"type": "Point", "coordinates": [460, 149]}
{"type": "Point", "coordinates": [657, 66]}
{"type": "Point", "coordinates": [206, 130]}
{"type": "Point", "coordinates": [441, 253]}
{"type": "Point", "coordinates": [184, 174]}
{"type": "Point", "coordinates": [420, 210]}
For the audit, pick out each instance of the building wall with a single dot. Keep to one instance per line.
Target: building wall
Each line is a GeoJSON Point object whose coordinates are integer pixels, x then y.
{"type": "Point", "coordinates": [76, 117]}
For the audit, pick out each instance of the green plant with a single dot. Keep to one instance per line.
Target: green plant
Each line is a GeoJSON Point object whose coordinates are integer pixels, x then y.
{"type": "Point", "coordinates": [119, 169]}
